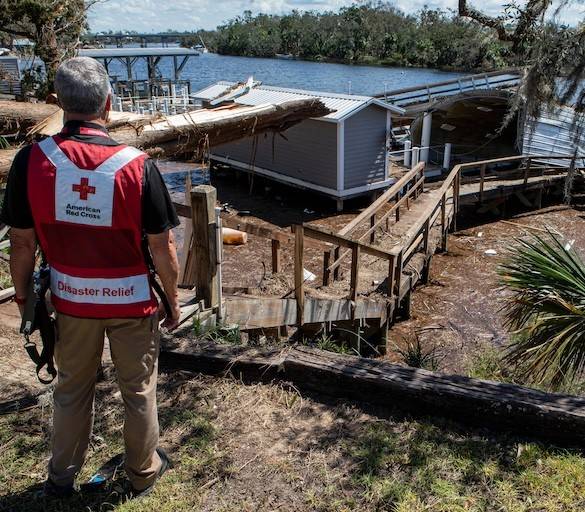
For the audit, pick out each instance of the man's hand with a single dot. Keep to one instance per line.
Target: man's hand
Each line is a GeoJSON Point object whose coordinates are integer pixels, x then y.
{"type": "Point", "coordinates": [172, 322]}
{"type": "Point", "coordinates": [164, 255]}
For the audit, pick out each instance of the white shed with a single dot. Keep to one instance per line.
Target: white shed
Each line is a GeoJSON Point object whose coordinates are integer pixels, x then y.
{"type": "Point", "coordinates": [343, 154]}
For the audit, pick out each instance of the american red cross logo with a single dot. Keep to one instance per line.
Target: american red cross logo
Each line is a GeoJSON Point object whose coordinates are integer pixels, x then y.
{"type": "Point", "coordinates": [84, 188]}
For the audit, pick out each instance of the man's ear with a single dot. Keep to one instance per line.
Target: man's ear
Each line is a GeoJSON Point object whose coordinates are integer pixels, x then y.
{"type": "Point", "coordinates": [108, 107]}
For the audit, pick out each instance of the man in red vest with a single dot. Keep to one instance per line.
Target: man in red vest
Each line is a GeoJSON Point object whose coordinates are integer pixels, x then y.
{"type": "Point", "coordinates": [88, 202]}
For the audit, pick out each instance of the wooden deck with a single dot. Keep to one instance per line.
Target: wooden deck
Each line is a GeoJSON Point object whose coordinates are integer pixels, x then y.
{"type": "Point", "coordinates": [372, 264]}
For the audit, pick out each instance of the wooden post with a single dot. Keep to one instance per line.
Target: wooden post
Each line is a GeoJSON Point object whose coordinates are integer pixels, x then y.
{"type": "Point", "coordinates": [299, 271]}
{"type": "Point", "coordinates": [373, 233]}
{"type": "Point", "coordinates": [391, 274]}
{"type": "Point", "coordinates": [444, 227]}
{"type": "Point", "coordinates": [275, 256]}
{"type": "Point", "coordinates": [398, 197]}
{"type": "Point", "coordinates": [527, 170]}
{"type": "Point", "coordinates": [326, 271]}
{"type": "Point", "coordinates": [481, 182]}
{"type": "Point", "coordinates": [336, 270]}
{"type": "Point", "coordinates": [398, 277]}
{"type": "Point", "coordinates": [426, 234]}
{"type": "Point", "coordinates": [354, 283]}
{"type": "Point", "coordinates": [203, 262]}
{"type": "Point", "coordinates": [355, 264]}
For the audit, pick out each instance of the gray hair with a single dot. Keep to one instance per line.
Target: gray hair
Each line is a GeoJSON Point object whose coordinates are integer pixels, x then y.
{"type": "Point", "coordinates": [82, 86]}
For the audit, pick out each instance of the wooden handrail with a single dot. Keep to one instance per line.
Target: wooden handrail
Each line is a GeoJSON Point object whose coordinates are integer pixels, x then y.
{"type": "Point", "coordinates": [328, 236]}
{"type": "Point", "coordinates": [453, 180]}
{"type": "Point", "coordinates": [377, 224]}
{"type": "Point", "coordinates": [383, 199]}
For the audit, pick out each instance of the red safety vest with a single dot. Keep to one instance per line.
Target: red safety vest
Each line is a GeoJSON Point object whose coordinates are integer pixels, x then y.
{"type": "Point", "coordinates": [86, 201]}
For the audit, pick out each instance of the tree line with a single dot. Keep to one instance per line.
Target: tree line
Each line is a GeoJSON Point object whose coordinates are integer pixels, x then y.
{"type": "Point", "coordinates": [374, 33]}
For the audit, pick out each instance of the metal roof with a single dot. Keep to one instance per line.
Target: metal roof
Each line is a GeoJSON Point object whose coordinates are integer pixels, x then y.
{"type": "Point", "coordinates": [554, 134]}
{"type": "Point", "coordinates": [107, 53]}
{"type": "Point", "coordinates": [428, 93]}
{"type": "Point", "coordinates": [343, 105]}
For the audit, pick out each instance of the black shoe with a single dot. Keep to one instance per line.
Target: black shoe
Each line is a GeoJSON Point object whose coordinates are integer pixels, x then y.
{"type": "Point", "coordinates": [52, 490]}
{"type": "Point", "coordinates": [166, 464]}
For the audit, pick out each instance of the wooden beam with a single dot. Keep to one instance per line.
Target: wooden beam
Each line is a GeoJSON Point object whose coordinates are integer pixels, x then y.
{"type": "Point", "coordinates": [299, 273]}
{"type": "Point", "coordinates": [509, 407]}
{"type": "Point", "coordinates": [204, 254]}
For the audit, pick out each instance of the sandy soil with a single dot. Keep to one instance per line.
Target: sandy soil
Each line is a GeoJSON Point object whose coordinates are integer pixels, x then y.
{"type": "Point", "coordinates": [460, 311]}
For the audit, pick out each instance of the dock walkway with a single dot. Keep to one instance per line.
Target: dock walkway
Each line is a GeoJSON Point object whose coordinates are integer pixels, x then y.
{"type": "Point", "coordinates": [372, 264]}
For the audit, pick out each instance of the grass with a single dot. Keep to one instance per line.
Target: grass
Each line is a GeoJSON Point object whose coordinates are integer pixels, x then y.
{"type": "Point", "coordinates": [265, 447]}
{"type": "Point", "coordinates": [417, 356]}
{"type": "Point", "coordinates": [426, 468]}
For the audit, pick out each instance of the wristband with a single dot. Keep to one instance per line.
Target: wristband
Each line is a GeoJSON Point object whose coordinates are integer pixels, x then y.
{"type": "Point", "coordinates": [21, 301]}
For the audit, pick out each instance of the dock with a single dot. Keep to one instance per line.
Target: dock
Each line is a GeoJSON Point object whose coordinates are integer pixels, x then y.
{"type": "Point", "coordinates": [372, 265]}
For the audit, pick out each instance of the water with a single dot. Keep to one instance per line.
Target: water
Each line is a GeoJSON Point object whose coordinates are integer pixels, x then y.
{"type": "Point", "coordinates": [209, 68]}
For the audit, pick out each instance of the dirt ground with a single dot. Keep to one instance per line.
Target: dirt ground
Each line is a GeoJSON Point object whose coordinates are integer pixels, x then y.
{"type": "Point", "coordinates": [460, 311]}
{"type": "Point", "coordinates": [458, 315]}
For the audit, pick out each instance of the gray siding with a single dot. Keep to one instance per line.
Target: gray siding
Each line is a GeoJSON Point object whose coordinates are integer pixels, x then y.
{"type": "Point", "coordinates": [365, 140]}
{"type": "Point", "coordinates": [308, 153]}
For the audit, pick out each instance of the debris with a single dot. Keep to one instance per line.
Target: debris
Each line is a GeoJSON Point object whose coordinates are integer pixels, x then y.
{"type": "Point", "coordinates": [308, 275]}
{"type": "Point", "coordinates": [233, 236]}
{"type": "Point", "coordinates": [480, 234]}
{"type": "Point", "coordinates": [491, 252]}
{"type": "Point", "coordinates": [190, 133]}
{"type": "Point", "coordinates": [569, 245]}
{"type": "Point", "coordinates": [308, 212]}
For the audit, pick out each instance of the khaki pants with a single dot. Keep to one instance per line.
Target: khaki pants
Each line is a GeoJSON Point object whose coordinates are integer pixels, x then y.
{"type": "Point", "coordinates": [134, 345]}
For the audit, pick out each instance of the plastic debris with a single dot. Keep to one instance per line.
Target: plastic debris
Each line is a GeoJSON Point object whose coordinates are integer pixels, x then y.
{"type": "Point", "coordinates": [491, 252]}
{"type": "Point", "coordinates": [480, 234]}
{"type": "Point", "coordinates": [308, 275]}
{"type": "Point", "coordinates": [569, 245]}
{"type": "Point", "coordinates": [307, 211]}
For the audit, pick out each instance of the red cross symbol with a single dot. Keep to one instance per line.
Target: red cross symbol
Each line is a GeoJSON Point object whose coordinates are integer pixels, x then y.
{"type": "Point", "coordinates": [84, 188]}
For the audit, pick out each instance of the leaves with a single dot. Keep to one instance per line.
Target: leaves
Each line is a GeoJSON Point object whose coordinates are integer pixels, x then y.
{"type": "Point", "coordinates": [546, 310]}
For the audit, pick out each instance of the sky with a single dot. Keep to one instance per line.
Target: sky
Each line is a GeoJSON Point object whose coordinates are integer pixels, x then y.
{"type": "Point", "coordinates": [157, 15]}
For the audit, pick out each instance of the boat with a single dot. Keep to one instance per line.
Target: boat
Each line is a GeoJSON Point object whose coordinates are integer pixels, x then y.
{"type": "Point", "coordinates": [285, 56]}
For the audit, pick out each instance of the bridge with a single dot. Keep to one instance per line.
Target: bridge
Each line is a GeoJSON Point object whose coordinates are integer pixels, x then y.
{"type": "Point", "coordinates": [143, 38]}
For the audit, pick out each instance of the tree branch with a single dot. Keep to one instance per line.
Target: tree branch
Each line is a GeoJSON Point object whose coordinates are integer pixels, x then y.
{"type": "Point", "coordinates": [496, 23]}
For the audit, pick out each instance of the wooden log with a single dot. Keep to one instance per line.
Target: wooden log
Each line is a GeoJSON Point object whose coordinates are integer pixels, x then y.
{"type": "Point", "coordinates": [204, 254]}
{"type": "Point", "coordinates": [194, 132]}
{"type": "Point", "coordinates": [509, 407]}
{"type": "Point", "coordinates": [18, 117]}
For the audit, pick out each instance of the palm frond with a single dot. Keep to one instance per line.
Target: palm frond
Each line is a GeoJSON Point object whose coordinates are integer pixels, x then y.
{"type": "Point", "coordinates": [546, 310]}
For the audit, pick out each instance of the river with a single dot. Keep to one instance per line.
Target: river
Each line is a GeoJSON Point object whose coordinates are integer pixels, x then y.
{"type": "Point", "coordinates": [208, 68]}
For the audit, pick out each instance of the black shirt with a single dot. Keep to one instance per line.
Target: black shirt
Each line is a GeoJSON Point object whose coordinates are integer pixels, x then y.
{"type": "Point", "coordinates": [158, 212]}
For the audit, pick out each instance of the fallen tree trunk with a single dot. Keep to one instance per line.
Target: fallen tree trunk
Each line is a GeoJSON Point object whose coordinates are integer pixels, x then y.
{"type": "Point", "coordinates": [486, 404]}
{"type": "Point", "coordinates": [195, 132]}
{"type": "Point", "coordinates": [19, 117]}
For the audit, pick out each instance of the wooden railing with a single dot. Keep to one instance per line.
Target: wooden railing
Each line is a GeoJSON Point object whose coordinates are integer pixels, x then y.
{"type": "Point", "coordinates": [450, 190]}
{"type": "Point", "coordinates": [356, 248]}
{"type": "Point", "coordinates": [442, 210]}
{"type": "Point", "coordinates": [407, 188]}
